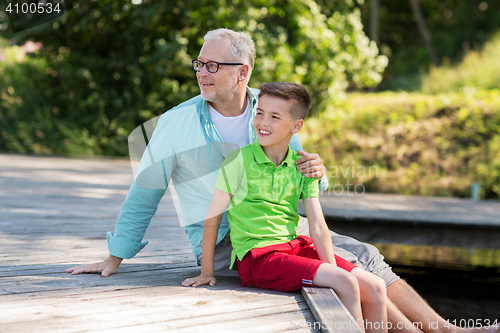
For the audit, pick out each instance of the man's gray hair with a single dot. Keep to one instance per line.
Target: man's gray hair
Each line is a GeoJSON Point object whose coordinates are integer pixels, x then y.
{"type": "Point", "coordinates": [242, 48]}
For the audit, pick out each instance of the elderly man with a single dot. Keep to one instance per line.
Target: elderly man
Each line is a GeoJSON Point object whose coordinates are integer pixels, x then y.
{"type": "Point", "coordinates": [188, 146]}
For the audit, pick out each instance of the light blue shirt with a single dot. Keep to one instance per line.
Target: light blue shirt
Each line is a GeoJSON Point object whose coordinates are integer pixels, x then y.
{"type": "Point", "coordinates": [186, 148]}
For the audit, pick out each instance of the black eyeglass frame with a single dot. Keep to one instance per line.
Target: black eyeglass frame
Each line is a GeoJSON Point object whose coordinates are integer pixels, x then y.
{"type": "Point", "coordinates": [218, 64]}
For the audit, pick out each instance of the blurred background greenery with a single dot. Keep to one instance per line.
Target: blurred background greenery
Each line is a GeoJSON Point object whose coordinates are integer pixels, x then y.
{"type": "Point", "coordinates": [457, 27]}
{"type": "Point", "coordinates": [78, 85]}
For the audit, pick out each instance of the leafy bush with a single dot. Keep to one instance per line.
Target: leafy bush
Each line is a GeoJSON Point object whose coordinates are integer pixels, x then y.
{"type": "Point", "coordinates": [455, 26]}
{"type": "Point", "coordinates": [411, 143]}
{"type": "Point", "coordinates": [478, 70]}
{"type": "Point", "coordinates": [106, 67]}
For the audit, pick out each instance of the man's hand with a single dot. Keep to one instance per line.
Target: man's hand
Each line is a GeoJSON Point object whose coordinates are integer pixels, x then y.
{"type": "Point", "coordinates": [200, 280]}
{"type": "Point", "coordinates": [310, 165]}
{"type": "Point", "coordinates": [106, 267]}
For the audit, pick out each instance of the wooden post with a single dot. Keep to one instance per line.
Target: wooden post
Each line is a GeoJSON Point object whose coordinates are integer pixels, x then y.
{"type": "Point", "coordinates": [426, 35]}
{"type": "Point", "coordinates": [329, 311]}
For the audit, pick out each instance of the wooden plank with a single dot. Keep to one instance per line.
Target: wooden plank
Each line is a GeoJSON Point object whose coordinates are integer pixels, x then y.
{"type": "Point", "coordinates": [46, 226]}
{"type": "Point", "coordinates": [47, 270]}
{"type": "Point", "coordinates": [179, 301]}
{"type": "Point", "coordinates": [391, 232]}
{"type": "Point", "coordinates": [61, 281]}
{"type": "Point", "coordinates": [221, 308]}
{"type": "Point", "coordinates": [172, 288]}
{"type": "Point", "coordinates": [329, 311]}
{"type": "Point", "coordinates": [436, 221]}
{"type": "Point", "coordinates": [412, 209]}
{"type": "Point", "coordinates": [280, 318]}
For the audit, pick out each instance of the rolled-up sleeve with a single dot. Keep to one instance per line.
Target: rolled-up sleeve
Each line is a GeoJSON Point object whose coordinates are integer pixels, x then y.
{"type": "Point", "coordinates": [296, 145]}
{"type": "Point", "coordinates": [144, 195]}
{"type": "Point", "coordinates": [139, 207]}
{"type": "Point", "coordinates": [123, 248]}
{"type": "Point", "coordinates": [323, 183]}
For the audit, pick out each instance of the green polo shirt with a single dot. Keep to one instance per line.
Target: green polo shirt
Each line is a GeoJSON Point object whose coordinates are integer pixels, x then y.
{"type": "Point", "coordinates": [263, 208]}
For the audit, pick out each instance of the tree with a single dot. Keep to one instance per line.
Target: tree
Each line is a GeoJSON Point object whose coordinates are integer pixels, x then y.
{"type": "Point", "coordinates": [113, 65]}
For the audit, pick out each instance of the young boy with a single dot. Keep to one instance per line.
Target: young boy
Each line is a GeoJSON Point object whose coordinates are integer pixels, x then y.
{"type": "Point", "coordinates": [260, 187]}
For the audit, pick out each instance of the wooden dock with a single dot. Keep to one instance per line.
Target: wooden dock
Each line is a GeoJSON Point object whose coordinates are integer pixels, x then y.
{"type": "Point", "coordinates": [54, 213]}
{"type": "Point", "coordinates": [434, 221]}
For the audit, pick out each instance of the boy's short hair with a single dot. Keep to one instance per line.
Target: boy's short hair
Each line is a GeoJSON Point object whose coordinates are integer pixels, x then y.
{"type": "Point", "coordinates": [296, 94]}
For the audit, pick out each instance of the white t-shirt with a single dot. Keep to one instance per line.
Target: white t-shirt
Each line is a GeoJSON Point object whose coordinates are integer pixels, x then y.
{"type": "Point", "coordinates": [232, 129]}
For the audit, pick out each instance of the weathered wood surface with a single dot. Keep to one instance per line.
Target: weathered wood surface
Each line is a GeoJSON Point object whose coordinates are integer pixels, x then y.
{"type": "Point", "coordinates": [329, 311]}
{"type": "Point", "coordinates": [54, 213]}
{"type": "Point", "coordinates": [436, 221]}
{"type": "Point", "coordinates": [413, 209]}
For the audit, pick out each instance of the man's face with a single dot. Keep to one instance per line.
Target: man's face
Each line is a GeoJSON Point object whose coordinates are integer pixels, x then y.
{"type": "Point", "coordinates": [273, 123]}
{"type": "Point", "coordinates": [222, 86]}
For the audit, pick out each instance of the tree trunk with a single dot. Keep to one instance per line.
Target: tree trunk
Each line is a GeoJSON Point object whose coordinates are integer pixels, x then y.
{"type": "Point", "coordinates": [374, 20]}
{"type": "Point", "coordinates": [426, 35]}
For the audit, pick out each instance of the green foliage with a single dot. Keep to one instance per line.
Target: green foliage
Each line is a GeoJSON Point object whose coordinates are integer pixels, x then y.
{"type": "Point", "coordinates": [478, 70]}
{"type": "Point", "coordinates": [411, 143]}
{"type": "Point", "coordinates": [455, 26]}
{"type": "Point", "coordinates": [21, 131]}
{"type": "Point", "coordinates": [108, 66]}
{"type": "Point", "coordinates": [441, 256]}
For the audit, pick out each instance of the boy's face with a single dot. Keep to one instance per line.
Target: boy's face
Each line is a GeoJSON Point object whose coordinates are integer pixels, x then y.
{"type": "Point", "coordinates": [273, 123]}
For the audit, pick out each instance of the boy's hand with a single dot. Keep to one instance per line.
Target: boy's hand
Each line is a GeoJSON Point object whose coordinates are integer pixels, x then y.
{"type": "Point", "coordinates": [310, 165]}
{"type": "Point", "coordinates": [106, 267]}
{"type": "Point", "coordinates": [200, 280]}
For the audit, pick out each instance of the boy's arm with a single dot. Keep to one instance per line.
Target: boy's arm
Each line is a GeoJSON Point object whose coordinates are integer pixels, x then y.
{"type": "Point", "coordinates": [218, 205]}
{"type": "Point", "coordinates": [320, 234]}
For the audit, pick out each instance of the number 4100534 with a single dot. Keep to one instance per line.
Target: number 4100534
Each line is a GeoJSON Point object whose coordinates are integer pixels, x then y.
{"type": "Point", "coordinates": [33, 8]}
{"type": "Point", "coordinates": [472, 323]}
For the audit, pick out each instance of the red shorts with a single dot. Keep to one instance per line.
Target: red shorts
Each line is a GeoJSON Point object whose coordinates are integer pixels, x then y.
{"type": "Point", "coordinates": [285, 267]}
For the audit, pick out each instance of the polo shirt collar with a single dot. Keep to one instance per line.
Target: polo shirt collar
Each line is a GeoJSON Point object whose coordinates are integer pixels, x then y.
{"type": "Point", "coordinates": [254, 100]}
{"type": "Point", "coordinates": [289, 158]}
{"type": "Point", "coordinates": [262, 158]}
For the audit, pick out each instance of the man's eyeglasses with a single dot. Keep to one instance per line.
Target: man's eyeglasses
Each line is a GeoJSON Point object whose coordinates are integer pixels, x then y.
{"type": "Point", "coordinates": [212, 66]}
